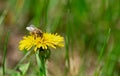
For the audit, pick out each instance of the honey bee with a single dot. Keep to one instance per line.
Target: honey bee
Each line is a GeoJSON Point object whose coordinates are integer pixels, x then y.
{"type": "Point", "coordinates": [34, 30]}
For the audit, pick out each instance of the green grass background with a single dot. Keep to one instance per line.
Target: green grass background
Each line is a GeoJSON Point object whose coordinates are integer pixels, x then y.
{"type": "Point", "coordinates": [91, 28]}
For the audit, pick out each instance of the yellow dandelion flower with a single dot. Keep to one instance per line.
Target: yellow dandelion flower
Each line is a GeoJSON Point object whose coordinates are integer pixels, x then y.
{"type": "Point", "coordinates": [47, 40]}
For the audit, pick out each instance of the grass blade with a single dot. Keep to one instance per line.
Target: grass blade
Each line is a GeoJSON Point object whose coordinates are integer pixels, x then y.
{"type": "Point", "coordinates": [5, 51]}
{"type": "Point", "coordinates": [67, 60]}
{"type": "Point", "coordinates": [102, 50]}
{"type": "Point", "coordinates": [26, 55]}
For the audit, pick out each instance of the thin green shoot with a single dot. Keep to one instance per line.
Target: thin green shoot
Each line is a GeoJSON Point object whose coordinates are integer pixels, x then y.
{"type": "Point", "coordinates": [26, 55]}
{"type": "Point", "coordinates": [5, 51]}
{"type": "Point", "coordinates": [102, 51]}
{"type": "Point", "coordinates": [67, 60]}
{"type": "Point", "coordinates": [105, 43]}
{"type": "Point", "coordinates": [3, 16]}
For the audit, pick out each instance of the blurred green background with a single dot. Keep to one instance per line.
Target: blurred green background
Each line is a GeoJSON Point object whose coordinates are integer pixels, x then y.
{"type": "Point", "coordinates": [91, 29]}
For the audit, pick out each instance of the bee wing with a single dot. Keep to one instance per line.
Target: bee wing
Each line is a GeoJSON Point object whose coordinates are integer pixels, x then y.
{"type": "Point", "coordinates": [30, 28]}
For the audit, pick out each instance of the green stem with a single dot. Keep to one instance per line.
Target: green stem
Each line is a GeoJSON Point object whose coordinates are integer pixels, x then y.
{"type": "Point", "coordinates": [42, 67]}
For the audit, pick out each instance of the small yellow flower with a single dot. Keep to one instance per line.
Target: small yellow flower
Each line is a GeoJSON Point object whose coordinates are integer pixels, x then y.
{"type": "Point", "coordinates": [47, 40]}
